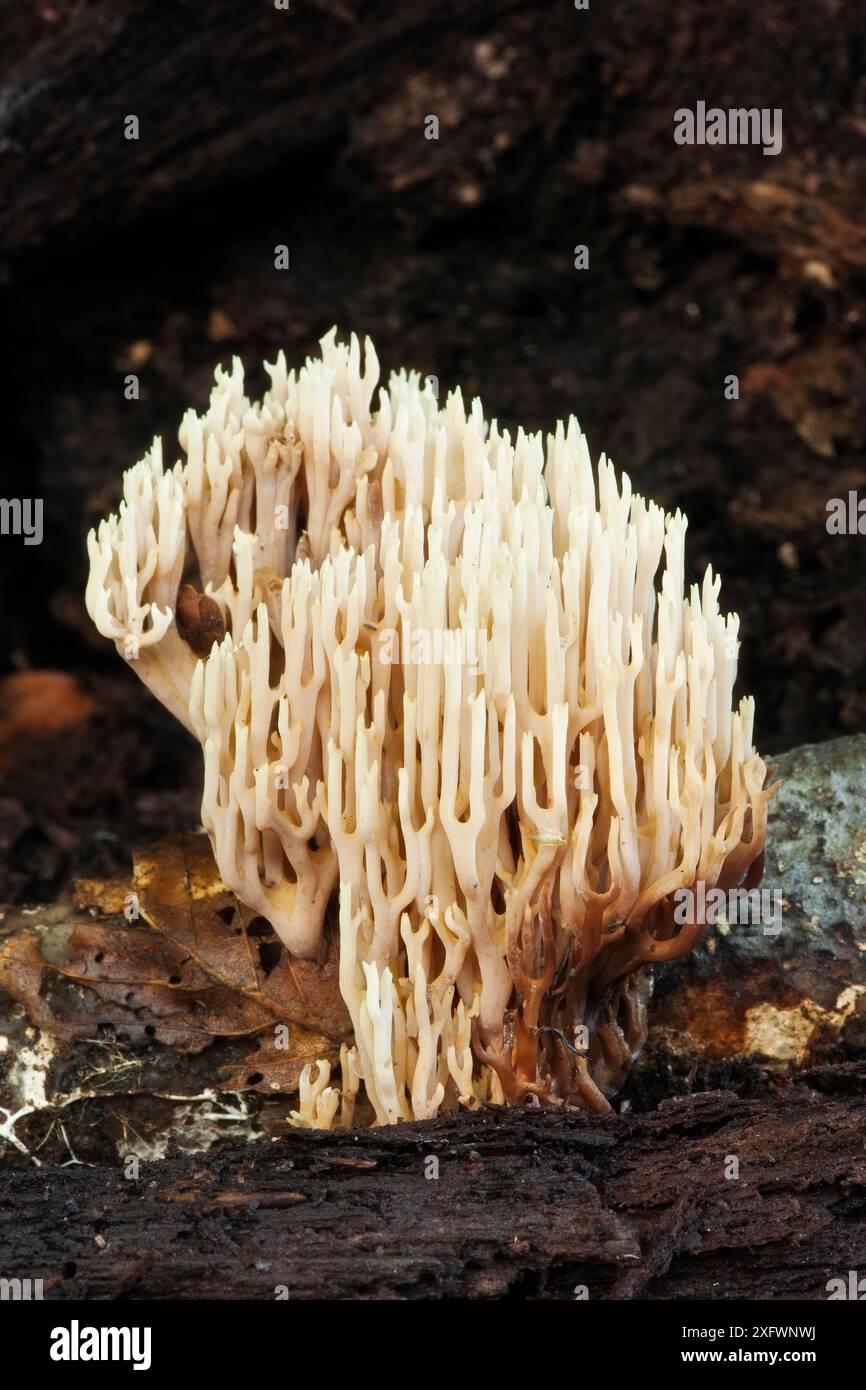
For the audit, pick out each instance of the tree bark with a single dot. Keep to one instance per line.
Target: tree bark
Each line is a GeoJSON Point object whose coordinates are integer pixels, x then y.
{"type": "Point", "coordinates": [220, 93]}
{"type": "Point", "coordinates": [526, 1205]}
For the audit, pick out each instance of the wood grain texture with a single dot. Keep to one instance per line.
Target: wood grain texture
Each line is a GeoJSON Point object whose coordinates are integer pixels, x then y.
{"type": "Point", "coordinates": [526, 1205]}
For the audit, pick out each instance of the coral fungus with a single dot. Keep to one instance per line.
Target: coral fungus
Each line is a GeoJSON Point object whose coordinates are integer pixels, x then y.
{"type": "Point", "coordinates": [453, 696]}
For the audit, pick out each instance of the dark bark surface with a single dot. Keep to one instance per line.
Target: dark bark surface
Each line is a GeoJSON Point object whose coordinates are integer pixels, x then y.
{"type": "Point", "coordinates": [525, 1205]}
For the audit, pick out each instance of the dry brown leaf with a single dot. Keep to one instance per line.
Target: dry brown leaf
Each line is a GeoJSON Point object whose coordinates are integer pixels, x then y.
{"type": "Point", "coordinates": [182, 896]}
{"type": "Point", "coordinates": [108, 896]}
{"type": "Point", "coordinates": [62, 1006]}
{"type": "Point", "coordinates": [271, 1067]}
{"type": "Point", "coordinates": [98, 954]}
{"type": "Point", "coordinates": [192, 969]}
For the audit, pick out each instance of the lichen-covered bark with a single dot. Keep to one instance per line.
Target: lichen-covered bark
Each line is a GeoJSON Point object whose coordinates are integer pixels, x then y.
{"type": "Point", "coordinates": [793, 991]}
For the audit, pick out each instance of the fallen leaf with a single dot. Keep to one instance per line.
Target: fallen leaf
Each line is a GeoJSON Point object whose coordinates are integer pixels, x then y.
{"type": "Point", "coordinates": [61, 1006]}
{"type": "Point", "coordinates": [195, 966]}
{"type": "Point", "coordinates": [270, 1068]}
{"type": "Point", "coordinates": [181, 894]}
{"type": "Point", "coordinates": [97, 953]}
{"type": "Point", "coordinates": [107, 896]}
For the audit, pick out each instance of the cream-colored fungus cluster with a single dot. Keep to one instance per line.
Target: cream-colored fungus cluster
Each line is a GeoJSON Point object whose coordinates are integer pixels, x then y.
{"type": "Point", "coordinates": [454, 698]}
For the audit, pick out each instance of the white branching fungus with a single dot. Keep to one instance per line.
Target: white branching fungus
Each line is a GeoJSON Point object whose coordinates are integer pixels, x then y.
{"type": "Point", "coordinates": [451, 682]}
{"type": "Point", "coordinates": [322, 1106]}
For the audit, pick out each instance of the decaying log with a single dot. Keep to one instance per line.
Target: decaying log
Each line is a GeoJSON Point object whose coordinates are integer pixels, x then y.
{"type": "Point", "coordinates": [219, 94]}
{"type": "Point", "coordinates": [710, 1197]}
{"type": "Point", "coordinates": [227, 93]}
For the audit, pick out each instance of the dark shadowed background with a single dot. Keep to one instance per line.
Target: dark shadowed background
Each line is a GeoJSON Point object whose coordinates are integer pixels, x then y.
{"type": "Point", "coordinates": [306, 127]}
